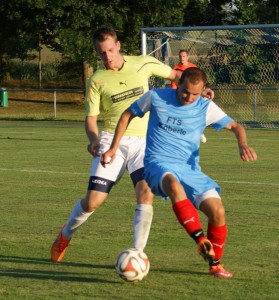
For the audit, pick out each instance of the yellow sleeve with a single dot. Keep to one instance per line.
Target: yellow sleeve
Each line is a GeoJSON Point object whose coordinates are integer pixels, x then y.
{"type": "Point", "coordinates": [156, 67]}
{"type": "Point", "coordinates": [92, 99]}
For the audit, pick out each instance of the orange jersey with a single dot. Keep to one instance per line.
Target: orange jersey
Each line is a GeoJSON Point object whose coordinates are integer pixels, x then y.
{"type": "Point", "coordinates": [180, 67]}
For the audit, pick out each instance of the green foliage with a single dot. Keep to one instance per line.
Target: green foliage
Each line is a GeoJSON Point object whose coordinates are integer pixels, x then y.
{"type": "Point", "coordinates": [205, 13]}
{"type": "Point", "coordinates": [61, 71]}
{"type": "Point", "coordinates": [145, 13]}
{"type": "Point", "coordinates": [67, 26]}
{"type": "Point", "coordinates": [256, 12]}
{"type": "Point", "coordinates": [24, 71]}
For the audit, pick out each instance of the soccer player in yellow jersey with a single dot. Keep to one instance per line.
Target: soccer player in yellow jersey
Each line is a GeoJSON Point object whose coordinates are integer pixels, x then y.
{"type": "Point", "coordinates": [112, 90]}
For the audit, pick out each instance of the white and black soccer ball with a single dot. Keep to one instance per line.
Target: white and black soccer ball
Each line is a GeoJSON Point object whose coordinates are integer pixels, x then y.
{"type": "Point", "coordinates": [132, 265]}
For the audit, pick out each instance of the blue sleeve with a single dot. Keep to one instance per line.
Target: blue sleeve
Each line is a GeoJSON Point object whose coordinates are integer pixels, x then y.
{"type": "Point", "coordinates": [142, 105]}
{"type": "Point", "coordinates": [222, 123]}
{"type": "Point", "coordinates": [136, 110]}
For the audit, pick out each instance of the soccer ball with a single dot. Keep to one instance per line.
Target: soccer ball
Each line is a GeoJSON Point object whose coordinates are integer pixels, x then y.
{"type": "Point", "coordinates": [132, 265]}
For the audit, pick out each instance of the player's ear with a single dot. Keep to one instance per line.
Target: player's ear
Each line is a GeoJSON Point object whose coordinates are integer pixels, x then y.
{"type": "Point", "coordinates": [118, 45]}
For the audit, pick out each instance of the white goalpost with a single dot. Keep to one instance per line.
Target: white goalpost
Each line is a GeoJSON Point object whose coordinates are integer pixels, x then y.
{"type": "Point", "coordinates": [241, 63]}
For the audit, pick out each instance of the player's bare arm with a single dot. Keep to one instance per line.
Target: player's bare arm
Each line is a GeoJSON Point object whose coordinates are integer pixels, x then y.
{"type": "Point", "coordinates": [121, 127]}
{"type": "Point", "coordinates": [246, 152]}
{"type": "Point", "coordinates": [175, 76]}
{"type": "Point", "coordinates": [92, 132]}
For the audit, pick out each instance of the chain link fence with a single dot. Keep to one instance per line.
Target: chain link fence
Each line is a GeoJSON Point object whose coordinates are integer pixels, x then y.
{"type": "Point", "coordinates": [241, 63]}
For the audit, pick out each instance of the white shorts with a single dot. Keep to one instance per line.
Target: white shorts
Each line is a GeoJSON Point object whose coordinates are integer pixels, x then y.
{"type": "Point", "coordinates": [129, 155]}
{"type": "Point", "coordinates": [198, 199]}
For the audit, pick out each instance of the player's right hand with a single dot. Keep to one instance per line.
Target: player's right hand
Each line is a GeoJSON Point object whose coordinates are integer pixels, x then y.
{"type": "Point", "coordinates": [247, 154]}
{"type": "Point", "coordinates": [93, 148]}
{"type": "Point", "coordinates": [107, 157]}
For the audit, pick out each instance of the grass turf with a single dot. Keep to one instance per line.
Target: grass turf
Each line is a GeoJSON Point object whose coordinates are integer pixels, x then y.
{"type": "Point", "coordinates": [44, 170]}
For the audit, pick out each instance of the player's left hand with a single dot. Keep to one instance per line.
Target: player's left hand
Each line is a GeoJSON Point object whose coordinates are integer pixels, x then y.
{"type": "Point", "coordinates": [247, 154]}
{"type": "Point", "coordinates": [94, 147]}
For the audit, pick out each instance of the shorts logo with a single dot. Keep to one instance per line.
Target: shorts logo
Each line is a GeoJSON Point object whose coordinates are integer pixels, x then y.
{"type": "Point", "coordinates": [100, 184]}
{"type": "Point", "coordinates": [98, 181]}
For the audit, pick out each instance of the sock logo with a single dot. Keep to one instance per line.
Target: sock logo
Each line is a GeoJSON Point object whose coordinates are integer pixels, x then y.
{"type": "Point", "coordinates": [189, 220]}
{"type": "Point", "coordinates": [218, 245]}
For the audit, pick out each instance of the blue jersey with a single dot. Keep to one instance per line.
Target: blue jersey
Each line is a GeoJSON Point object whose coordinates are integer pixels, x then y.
{"type": "Point", "coordinates": [174, 130]}
{"type": "Point", "coordinates": [173, 139]}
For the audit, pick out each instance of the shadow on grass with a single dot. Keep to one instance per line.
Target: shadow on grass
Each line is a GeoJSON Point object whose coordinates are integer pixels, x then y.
{"type": "Point", "coordinates": [19, 259]}
{"type": "Point", "coordinates": [26, 139]}
{"type": "Point", "coordinates": [68, 275]}
{"type": "Point", "coordinates": [57, 275]}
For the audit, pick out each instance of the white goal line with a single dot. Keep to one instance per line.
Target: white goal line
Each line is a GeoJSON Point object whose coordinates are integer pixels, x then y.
{"type": "Point", "coordinates": [77, 173]}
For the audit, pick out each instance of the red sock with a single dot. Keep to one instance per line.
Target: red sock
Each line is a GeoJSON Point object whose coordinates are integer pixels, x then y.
{"type": "Point", "coordinates": [188, 217]}
{"type": "Point", "coordinates": [217, 236]}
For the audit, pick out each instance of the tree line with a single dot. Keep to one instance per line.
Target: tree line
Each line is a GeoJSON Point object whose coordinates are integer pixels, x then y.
{"type": "Point", "coordinates": [67, 26]}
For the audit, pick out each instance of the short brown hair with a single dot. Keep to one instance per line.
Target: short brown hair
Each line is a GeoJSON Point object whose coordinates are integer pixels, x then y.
{"type": "Point", "coordinates": [102, 33]}
{"type": "Point", "coordinates": [195, 75]}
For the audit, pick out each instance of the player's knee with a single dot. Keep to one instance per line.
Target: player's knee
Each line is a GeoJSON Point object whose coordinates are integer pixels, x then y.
{"type": "Point", "coordinates": [93, 200]}
{"type": "Point", "coordinates": [144, 194]}
{"type": "Point", "coordinates": [145, 197]}
{"type": "Point", "coordinates": [173, 188]}
{"type": "Point", "coordinates": [218, 215]}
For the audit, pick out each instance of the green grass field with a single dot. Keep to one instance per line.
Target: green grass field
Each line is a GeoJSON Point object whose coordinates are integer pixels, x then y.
{"type": "Point", "coordinates": [43, 171]}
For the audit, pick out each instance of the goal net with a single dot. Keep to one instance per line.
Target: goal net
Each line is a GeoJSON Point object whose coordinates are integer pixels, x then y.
{"type": "Point", "coordinates": [241, 63]}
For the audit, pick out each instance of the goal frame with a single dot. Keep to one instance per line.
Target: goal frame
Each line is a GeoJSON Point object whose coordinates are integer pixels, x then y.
{"type": "Point", "coordinates": [195, 28]}
{"type": "Point", "coordinates": [255, 109]}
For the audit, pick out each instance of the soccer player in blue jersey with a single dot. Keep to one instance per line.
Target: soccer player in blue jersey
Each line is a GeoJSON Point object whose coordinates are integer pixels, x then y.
{"type": "Point", "coordinates": [171, 164]}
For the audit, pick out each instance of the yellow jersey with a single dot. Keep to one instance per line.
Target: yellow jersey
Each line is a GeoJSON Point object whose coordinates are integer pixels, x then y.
{"type": "Point", "coordinates": [112, 92]}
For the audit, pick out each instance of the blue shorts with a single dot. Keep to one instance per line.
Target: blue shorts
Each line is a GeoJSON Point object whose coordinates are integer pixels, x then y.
{"type": "Point", "coordinates": [194, 181]}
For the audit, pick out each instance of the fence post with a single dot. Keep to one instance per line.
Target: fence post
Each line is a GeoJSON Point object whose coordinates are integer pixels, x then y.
{"type": "Point", "coordinates": [4, 97]}
{"type": "Point", "coordinates": [255, 105]}
{"type": "Point", "coordinates": [54, 98]}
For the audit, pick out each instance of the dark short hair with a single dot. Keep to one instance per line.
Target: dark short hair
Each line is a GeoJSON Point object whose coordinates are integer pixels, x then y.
{"type": "Point", "coordinates": [102, 33]}
{"type": "Point", "coordinates": [194, 75]}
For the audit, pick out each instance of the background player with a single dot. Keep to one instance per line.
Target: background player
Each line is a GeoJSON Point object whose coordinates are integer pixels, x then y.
{"type": "Point", "coordinates": [182, 66]}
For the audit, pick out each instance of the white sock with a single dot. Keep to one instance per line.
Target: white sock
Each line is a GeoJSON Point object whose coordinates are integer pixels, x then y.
{"type": "Point", "coordinates": [142, 223]}
{"type": "Point", "coordinates": [77, 218]}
